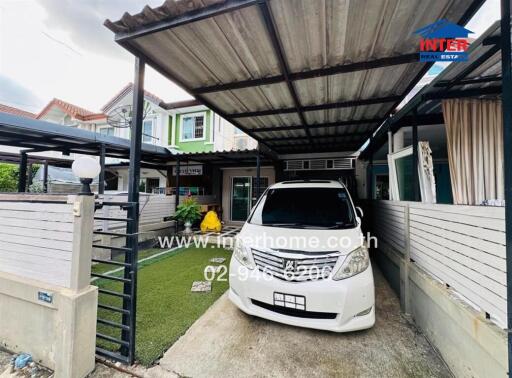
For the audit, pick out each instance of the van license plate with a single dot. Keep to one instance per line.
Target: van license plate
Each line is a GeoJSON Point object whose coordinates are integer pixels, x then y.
{"type": "Point", "coordinates": [297, 302]}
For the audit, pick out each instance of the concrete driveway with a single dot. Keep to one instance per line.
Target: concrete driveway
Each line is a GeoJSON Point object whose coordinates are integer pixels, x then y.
{"type": "Point", "coordinates": [225, 342]}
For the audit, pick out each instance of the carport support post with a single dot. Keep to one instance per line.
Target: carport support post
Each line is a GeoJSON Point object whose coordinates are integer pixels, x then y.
{"type": "Point", "coordinates": [177, 199]}
{"type": "Point", "coordinates": [506, 100]}
{"type": "Point", "coordinates": [45, 176]}
{"type": "Point", "coordinates": [415, 175]}
{"type": "Point", "coordinates": [258, 169]}
{"type": "Point", "coordinates": [22, 177]}
{"type": "Point", "coordinates": [29, 170]}
{"type": "Point", "coordinates": [101, 184]}
{"type": "Point", "coordinates": [404, 270]}
{"type": "Point", "coordinates": [133, 212]}
{"type": "Point", "coordinates": [369, 173]}
{"type": "Point", "coordinates": [177, 202]}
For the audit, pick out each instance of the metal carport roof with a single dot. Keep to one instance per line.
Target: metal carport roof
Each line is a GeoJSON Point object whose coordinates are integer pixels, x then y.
{"type": "Point", "coordinates": [39, 136]}
{"type": "Point", "coordinates": [228, 158]}
{"type": "Point", "coordinates": [479, 77]}
{"type": "Point", "coordinates": [297, 75]}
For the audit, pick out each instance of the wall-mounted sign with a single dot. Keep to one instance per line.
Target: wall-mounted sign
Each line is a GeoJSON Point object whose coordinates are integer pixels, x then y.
{"type": "Point", "coordinates": [44, 296]}
{"type": "Point", "coordinates": [189, 170]}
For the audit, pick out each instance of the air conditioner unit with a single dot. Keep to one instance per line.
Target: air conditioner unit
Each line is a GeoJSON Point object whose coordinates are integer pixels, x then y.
{"type": "Point", "coordinates": [319, 164]}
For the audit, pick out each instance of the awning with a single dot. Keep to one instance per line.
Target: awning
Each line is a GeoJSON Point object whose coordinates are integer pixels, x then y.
{"type": "Point", "coordinates": [40, 136]}
{"type": "Point", "coordinates": [297, 75]}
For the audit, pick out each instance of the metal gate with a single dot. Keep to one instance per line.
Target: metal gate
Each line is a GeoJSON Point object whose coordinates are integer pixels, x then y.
{"type": "Point", "coordinates": [117, 321]}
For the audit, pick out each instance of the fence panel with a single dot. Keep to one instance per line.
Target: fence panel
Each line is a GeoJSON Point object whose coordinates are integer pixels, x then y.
{"type": "Point", "coordinates": [389, 224]}
{"type": "Point", "coordinates": [36, 237]}
{"type": "Point", "coordinates": [463, 246]}
{"type": "Point", "coordinates": [153, 208]}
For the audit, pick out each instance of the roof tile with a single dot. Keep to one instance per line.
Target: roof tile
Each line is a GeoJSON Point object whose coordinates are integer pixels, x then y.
{"type": "Point", "coordinates": [16, 111]}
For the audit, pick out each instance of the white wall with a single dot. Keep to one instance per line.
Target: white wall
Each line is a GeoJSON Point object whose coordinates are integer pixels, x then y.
{"type": "Point", "coordinates": [228, 174]}
{"type": "Point", "coordinates": [159, 115]}
{"type": "Point", "coordinates": [226, 139]}
{"type": "Point", "coordinates": [122, 183]}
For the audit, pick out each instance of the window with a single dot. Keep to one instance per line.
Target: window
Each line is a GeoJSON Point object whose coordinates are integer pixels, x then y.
{"type": "Point", "coordinates": [152, 183]}
{"type": "Point", "coordinates": [147, 131]}
{"type": "Point", "coordinates": [192, 127]}
{"type": "Point", "coordinates": [108, 131]}
{"type": "Point", "coordinates": [305, 208]}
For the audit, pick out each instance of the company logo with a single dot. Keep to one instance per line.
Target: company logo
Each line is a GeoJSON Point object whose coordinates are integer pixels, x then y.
{"type": "Point", "coordinates": [443, 41]}
{"type": "Point", "coordinates": [290, 265]}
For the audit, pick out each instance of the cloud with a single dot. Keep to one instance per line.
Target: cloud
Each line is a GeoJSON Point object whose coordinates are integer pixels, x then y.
{"type": "Point", "coordinates": [83, 21]}
{"type": "Point", "coordinates": [14, 94]}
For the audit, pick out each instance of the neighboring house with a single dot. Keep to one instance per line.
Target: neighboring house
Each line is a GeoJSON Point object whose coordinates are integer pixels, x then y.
{"type": "Point", "coordinates": [155, 130]}
{"type": "Point", "coordinates": [195, 128]}
{"type": "Point", "coordinates": [16, 111]}
{"type": "Point", "coordinates": [67, 114]}
{"type": "Point", "coordinates": [183, 127]}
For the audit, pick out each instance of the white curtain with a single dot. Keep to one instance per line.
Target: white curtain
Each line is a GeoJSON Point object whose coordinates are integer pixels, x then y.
{"type": "Point", "coordinates": [474, 134]}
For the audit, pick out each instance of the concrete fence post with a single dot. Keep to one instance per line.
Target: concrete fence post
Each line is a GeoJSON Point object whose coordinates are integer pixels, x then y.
{"type": "Point", "coordinates": [83, 224]}
{"type": "Point", "coordinates": [404, 279]}
{"type": "Point", "coordinates": [77, 345]}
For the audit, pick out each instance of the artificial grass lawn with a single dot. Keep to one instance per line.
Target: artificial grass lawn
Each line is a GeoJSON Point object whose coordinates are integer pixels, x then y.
{"type": "Point", "coordinates": [166, 307]}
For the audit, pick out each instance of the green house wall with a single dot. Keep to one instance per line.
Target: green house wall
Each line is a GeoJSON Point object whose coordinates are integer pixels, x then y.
{"type": "Point", "coordinates": [192, 146]}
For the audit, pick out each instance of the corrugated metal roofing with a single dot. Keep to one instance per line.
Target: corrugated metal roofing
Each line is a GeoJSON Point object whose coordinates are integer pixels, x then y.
{"type": "Point", "coordinates": [226, 158]}
{"type": "Point", "coordinates": [345, 61]}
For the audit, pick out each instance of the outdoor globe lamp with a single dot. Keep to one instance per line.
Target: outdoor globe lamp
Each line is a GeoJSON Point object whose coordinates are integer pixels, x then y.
{"type": "Point", "coordinates": [86, 169]}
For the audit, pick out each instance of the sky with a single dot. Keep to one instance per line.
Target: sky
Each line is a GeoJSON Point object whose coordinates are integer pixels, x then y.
{"type": "Point", "coordinates": [60, 48]}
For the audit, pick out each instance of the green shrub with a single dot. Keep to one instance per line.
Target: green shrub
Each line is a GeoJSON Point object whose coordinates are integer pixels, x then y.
{"type": "Point", "coordinates": [188, 211]}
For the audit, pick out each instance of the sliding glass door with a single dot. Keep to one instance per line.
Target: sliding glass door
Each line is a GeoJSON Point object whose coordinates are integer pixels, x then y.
{"type": "Point", "coordinates": [244, 194]}
{"type": "Point", "coordinates": [240, 198]}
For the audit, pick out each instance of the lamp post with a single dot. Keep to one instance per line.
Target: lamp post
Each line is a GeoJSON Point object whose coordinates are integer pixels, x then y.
{"type": "Point", "coordinates": [86, 169]}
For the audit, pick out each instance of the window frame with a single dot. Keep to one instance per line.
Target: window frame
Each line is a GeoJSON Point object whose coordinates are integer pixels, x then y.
{"type": "Point", "coordinates": [193, 115]}
{"type": "Point", "coordinates": [152, 137]}
{"type": "Point", "coordinates": [105, 128]}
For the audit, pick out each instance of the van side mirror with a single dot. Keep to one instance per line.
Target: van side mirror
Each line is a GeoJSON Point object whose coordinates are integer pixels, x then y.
{"type": "Point", "coordinates": [359, 212]}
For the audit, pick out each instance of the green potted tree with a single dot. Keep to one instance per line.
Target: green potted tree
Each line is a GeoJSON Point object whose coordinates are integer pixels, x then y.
{"type": "Point", "coordinates": [188, 212]}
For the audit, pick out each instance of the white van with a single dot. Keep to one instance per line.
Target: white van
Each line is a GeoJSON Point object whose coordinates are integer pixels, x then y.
{"type": "Point", "coordinates": [301, 259]}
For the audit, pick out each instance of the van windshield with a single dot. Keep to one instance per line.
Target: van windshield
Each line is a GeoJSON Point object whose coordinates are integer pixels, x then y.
{"type": "Point", "coordinates": [324, 208]}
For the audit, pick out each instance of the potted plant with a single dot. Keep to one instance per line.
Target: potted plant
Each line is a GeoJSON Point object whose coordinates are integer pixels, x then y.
{"type": "Point", "coordinates": [188, 212]}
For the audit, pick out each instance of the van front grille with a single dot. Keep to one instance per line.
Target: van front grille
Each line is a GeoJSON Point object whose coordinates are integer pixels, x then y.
{"type": "Point", "coordinates": [312, 268]}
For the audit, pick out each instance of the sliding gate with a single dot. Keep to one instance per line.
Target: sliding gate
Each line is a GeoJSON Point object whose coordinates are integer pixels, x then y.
{"type": "Point", "coordinates": [115, 337]}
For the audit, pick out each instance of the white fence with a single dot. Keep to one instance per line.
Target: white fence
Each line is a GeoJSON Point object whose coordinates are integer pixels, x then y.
{"type": "Point", "coordinates": [153, 208]}
{"type": "Point", "coordinates": [42, 237]}
{"type": "Point", "coordinates": [463, 246]}
{"type": "Point", "coordinates": [47, 305]}
{"type": "Point", "coordinates": [36, 240]}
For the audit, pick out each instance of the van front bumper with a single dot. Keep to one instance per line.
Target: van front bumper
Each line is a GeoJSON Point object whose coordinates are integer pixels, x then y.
{"type": "Point", "coordinates": [338, 306]}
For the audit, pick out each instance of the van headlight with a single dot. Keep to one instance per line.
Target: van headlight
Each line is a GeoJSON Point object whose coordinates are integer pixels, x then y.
{"type": "Point", "coordinates": [356, 262]}
{"type": "Point", "coordinates": [243, 254]}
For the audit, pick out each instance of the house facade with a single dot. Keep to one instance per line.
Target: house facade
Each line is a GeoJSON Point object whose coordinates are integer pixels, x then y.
{"type": "Point", "coordinates": [183, 127]}
{"type": "Point", "coordinates": [195, 128]}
